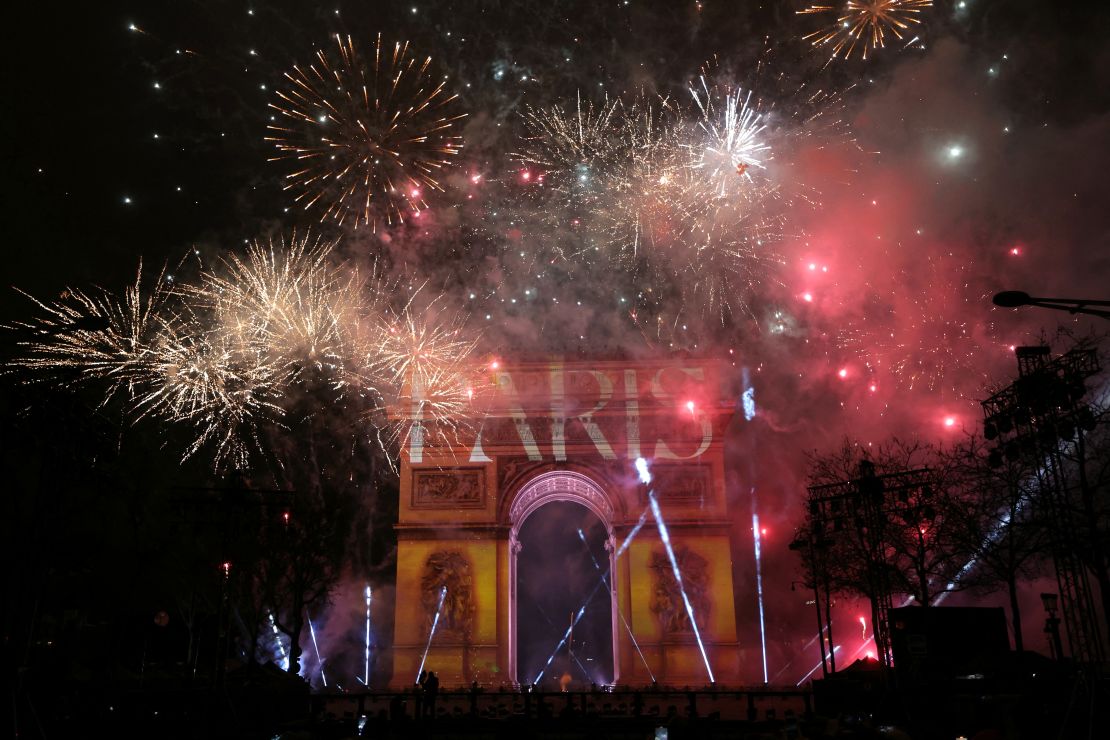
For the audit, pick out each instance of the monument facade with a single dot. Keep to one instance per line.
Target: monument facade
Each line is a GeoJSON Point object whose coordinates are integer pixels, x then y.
{"type": "Point", "coordinates": [568, 431]}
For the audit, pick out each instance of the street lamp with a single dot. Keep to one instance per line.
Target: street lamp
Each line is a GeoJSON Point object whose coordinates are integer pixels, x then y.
{"type": "Point", "coordinates": [824, 625]}
{"type": "Point", "coordinates": [1052, 624]}
{"type": "Point", "coordinates": [1018, 298]}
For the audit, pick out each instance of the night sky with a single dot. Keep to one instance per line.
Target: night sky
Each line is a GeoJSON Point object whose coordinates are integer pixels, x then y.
{"type": "Point", "coordinates": [914, 185]}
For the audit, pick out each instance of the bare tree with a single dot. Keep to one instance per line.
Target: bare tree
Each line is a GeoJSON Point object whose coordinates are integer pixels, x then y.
{"type": "Point", "coordinates": [876, 527]}
{"type": "Point", "coordinates": [997, 521]}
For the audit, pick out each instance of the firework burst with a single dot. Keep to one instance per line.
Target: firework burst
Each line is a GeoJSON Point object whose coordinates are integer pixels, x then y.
{"type": "Point", "coordinates": [558, 140]}
{"type": "Point", "coordinates": [210, 380]}
{"type": "Point", "coordinates": [732, 147]}
{"type": "Point", "coordinates": [286, 302]}
{"type": "Point", "coordinates": [663, 193]}
{"type": "Point", "coordinates": [425, 359]}
{"type": "Point", "coordinates": [865, 25]}
{"type": "Point", "coordinates": [228, 355]}
{"type": "Point", "coordinates": [280, 319]}
{"type": "Point", "coordinates": [94, 335]}
{"type": "Point", "coordinates": [367, 138]}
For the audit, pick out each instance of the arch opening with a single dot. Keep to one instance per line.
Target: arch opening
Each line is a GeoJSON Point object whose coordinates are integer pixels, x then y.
{"type": "Point", "coordinates": [559, 568]}
{"type": "Point", "coordinates": [562, 571]}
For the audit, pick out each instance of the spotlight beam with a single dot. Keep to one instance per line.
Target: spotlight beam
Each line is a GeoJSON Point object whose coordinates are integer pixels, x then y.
{"type": "Point", "coordinates": [759, 583]}
{"type": "Point", "coordinates": [316, 646]}
{"type": "Point", "coordinates": [585, 673]}
{"type": "Point", "coordinates": [280, 644]}
{"type": "Point", "coordinates": [432, 633]}
{"type": "Point", "coordinates": [578, 615]}
{"type": "Point", "coordinates": [644, 472]}
{"type": "Point", "coordinates": [666, 537]}
{"type": "Point", "coordinates": [366, 653]}
{"type": "Point", "coordinates": [624, 621]}
{"type": "Point", "coordinates": [813, 669]}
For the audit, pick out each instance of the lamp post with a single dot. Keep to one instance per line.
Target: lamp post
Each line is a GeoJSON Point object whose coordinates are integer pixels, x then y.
{"type": "Point", "coordinates": [824, 626]}
{"type": "Point", "coordinates": [1052, 625]}
{"type": "Point", "coordinates": [1018, 298]}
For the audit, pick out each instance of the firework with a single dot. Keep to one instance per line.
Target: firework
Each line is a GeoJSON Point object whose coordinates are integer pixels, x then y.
{"type": "Point", "coordinates": [227, 355]}
{"type": "Point", "coordinates": [557, 140]}
{"type": "Point", "coordinates": [286, 302]}
{"type": "Point", "coordinates": [94, 335]}
{"type": "Point", "coordinates": [424, 359]}
{"type": "Point", "coordinates": [732, 147]}
{"type": "Point", "coordinates": [279, 320]}
{"type": "Point", "coordinates": [645, 181]}
{"type": "Point", "coordinates": [683, 199]}
{"type": "Point", "coordinates": [733, 209]}
{"type": "Point", "coordinates": [929, 343]}
{"type": "Point", "coordinates": [646, 187]}
{"type": "Point", "coordinates": [865, 24]}
{"type": "Point", "coordinates": [210, 381]}
{"type": "Point", "coordinates": [568, 155]}
{"type": "Point", "coordinates": [367, 138]}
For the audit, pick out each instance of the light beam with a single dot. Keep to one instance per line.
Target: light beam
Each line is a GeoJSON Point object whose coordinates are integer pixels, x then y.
{"type": "Point", "coordinates": [624, 621]}
{"type": "Point", "coordinates": [435, 623]}
{"type": "Point", "coordinates": [645, 478]}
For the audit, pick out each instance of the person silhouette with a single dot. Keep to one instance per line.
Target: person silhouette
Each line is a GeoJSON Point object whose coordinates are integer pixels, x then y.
{"type": "Point", "coordinates": [431, 690]}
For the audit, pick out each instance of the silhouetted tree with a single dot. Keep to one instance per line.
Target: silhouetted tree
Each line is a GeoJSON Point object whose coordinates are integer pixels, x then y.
{"type": "Point", "coordinates": [997, 521]}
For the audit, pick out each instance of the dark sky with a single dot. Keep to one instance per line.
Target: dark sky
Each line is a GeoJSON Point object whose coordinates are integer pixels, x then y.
{"type": "Point", "coordinates": [82, 109]}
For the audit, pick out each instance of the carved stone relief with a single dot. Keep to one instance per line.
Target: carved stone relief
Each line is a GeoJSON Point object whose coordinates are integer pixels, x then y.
{"type": "Point", "coordinates": [452, 569]}
{"type": "Point", "coordinates": [666, 601]}
{"type": "Point", "coordinates": [449, 488]}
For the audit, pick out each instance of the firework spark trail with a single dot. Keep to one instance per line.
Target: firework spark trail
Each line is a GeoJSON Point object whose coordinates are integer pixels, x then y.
{"type": "Point", "coordinates": [627, 627]}
{"type": "Point", "coordinates": [865, 24]}
{"type": "Point", "coordinates": [432, 633]}
{"type": "Point", "coordinates": [316, 647]}
{"type": "Point", "coordinates": [929, 344]}
{"type": "Point", "coordinates": [366, 137]}
{"type": "Point", "coordinates": [95, 335]}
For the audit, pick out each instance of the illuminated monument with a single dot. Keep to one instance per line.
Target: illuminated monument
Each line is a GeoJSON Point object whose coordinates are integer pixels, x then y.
{"type": "Point", "coordinates": [569, 431]}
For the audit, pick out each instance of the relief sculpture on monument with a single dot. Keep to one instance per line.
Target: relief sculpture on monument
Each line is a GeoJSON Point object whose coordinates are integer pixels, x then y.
{"type": "Point", "coordinates": [666, 600]}
{"type": "Point", "coordinates": [448, 488]}
{"type": "Point", "coordinates": [451, 569]}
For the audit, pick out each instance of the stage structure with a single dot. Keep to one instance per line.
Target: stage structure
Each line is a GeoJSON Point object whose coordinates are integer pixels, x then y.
{"type": "Point", "coordinates": [567, 431]}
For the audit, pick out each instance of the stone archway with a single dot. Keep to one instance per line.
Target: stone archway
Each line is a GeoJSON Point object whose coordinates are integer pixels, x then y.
{"type": "Point", "coordinates": [560, 485]}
